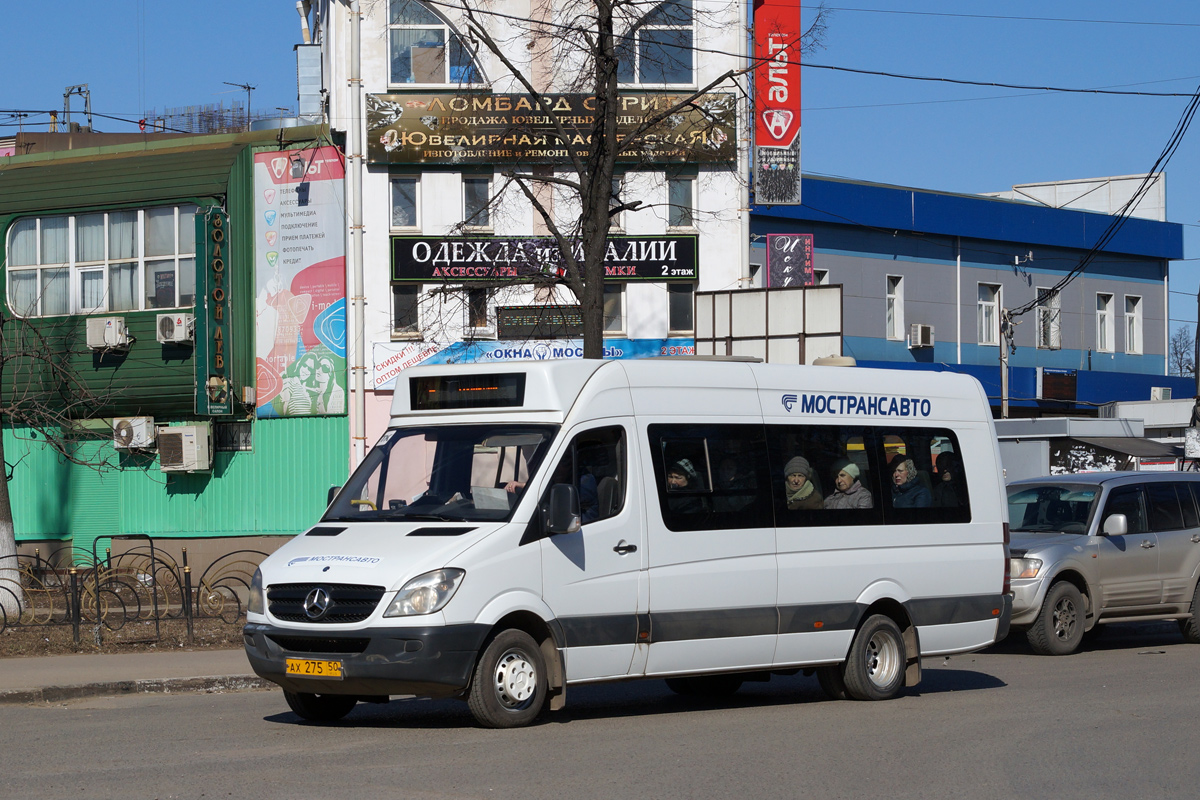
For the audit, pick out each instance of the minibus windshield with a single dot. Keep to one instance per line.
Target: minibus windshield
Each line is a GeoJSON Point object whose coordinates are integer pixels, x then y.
{"type": "Point", "coordinates": [1052, 507]}
{"type": "Point", "coordinates": [450, 473]}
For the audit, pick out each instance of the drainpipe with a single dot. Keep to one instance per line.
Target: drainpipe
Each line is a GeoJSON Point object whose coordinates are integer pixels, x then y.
{"type": "Point", "coordinates": [744, 142]}
{"type": "Point", "coordinates": [354, 181]}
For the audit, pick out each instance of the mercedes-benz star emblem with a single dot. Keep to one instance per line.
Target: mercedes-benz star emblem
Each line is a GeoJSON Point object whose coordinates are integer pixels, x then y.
{"type": "Point", "coordinates": [316, 603]}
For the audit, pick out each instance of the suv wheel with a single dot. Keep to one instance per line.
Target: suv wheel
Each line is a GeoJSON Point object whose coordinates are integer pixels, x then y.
{"type": "Point", "coordinates": [1058, 629]}
{"type": "Point", "coordinates": [1190, 628]}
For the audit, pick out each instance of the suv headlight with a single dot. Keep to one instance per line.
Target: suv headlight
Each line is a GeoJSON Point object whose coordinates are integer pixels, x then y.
{"type": "Point", "coordinates": [1023, 567]}
{"type": "Point", "coordinates": [257, 602]}
{"type": "Point", "coordinates": [426, 593]}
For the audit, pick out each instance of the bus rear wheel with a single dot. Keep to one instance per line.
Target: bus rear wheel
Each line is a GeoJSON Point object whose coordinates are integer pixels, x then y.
{"type": "Point", "coordinates": [874, 669]}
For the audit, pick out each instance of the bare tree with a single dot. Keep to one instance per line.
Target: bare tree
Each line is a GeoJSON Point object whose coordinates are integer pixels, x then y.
{"type": "Point", "coordinates": [43, 394]}
{"type": "Point", "coordinates": [576, 46]}
{"type": "Point", "coordinates": [1180, 352]}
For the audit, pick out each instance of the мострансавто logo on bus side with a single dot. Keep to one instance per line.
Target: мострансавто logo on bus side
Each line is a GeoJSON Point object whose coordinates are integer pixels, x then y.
{"type": "Point", "coordinates": [864, 405]}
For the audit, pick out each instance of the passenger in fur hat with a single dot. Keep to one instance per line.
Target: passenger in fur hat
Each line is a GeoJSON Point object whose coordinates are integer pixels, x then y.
{"type": "Point", "coordinates": [798, 487]}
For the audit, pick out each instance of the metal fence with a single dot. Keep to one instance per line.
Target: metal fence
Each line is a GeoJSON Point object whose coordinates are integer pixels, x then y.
{"type": "Point", "coordinates": [95, 593]}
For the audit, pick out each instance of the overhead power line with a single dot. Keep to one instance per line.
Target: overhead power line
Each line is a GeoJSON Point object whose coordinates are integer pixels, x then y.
{"type": "Point", "coordinates": [1122, 22]}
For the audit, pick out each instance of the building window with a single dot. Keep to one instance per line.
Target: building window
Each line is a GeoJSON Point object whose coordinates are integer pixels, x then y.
{"type": "Point", "coordinates": [658, 49]}
{"type": "Point", "coordinates": [1133, 325]}
{"type": "Point", "coordinates": [681, 196]}
{"type": "Point", "coordinates": [405, 319]}
{"type": "Point", "coordinates": [614, 308]}
{"type": "Point", "coordinates": [820, 277]}
{"type": "Point", "coordinates": [405, 193]}
{"type": "Point", "coordinates": [679, 307]}
{"type": "Point", "coordinates": [616, 220]}
{"type": "Point", "coordinates": [477, 196]}
{"type": "Point", "coordinates": [417, 41]}
{"type": "Point", "coordinates": [105, 261]}
{"type": "Point", "coordinates": [1104, 323]}
{"type": "Point", "coordinates": [477, 308]}
{"type": "Point", "coordinates": [895, 307]}
{"type": "Point", "coordinates": [989, 313]}
{"type": "Point", "coordinates": [1049, 324]}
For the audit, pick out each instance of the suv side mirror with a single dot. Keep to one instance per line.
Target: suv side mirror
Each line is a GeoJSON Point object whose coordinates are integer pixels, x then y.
{"type": "Point", "coordinates": [332, 493]}
{"type": "Point", "coordinates": [1116, 525]}
{"type": "Point", "coordinates": [562, 516]}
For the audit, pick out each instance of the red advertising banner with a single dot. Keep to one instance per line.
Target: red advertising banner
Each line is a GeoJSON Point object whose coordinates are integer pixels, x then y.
{"type": "Point", "coordinates": [777, 35]}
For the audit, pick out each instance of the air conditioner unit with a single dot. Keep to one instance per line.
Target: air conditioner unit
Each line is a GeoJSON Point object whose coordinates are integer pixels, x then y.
{"type": "Point", "coordinates": [133, 433]}
{"type": "Point", "coordinates": [1160, 392]}
{"type": "Point", "coordinates": [107, 333]}
{"type": "Point", "coordinates": [185, 448]}
{"type": "Point", "coordinates": [175, 328]}
{"type": "Point", "coordinates": [920, 335]}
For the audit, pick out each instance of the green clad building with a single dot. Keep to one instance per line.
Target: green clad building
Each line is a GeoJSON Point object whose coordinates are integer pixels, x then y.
{"type": "Point", "coordinates": [197, 338]}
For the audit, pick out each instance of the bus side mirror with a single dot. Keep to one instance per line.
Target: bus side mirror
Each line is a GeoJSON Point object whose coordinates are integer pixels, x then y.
{"type": "Point", "coordinates": [563, 514]}
{"type": "Point", "coordinates": [1116, 525]}
{"type": "Point", "coordinates": [332, 493]}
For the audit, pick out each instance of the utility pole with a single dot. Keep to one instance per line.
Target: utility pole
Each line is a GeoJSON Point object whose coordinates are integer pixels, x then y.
{"type": "Point", "coordinates": [1006, 347]}
{"type": "Point", "coordinates": [1196, 353]}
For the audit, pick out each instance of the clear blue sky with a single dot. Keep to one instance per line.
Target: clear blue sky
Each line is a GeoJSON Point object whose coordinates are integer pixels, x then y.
{"type": "Point", "coordinates": [142, 54]}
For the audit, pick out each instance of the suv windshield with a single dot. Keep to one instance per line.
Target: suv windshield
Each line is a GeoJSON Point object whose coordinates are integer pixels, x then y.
{"type": "Point", "coordinates": [1052, 507]}
{"type": "Point", "coordinates": [454, 473]}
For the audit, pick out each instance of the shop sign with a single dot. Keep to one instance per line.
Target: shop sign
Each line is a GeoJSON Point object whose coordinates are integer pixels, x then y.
{"type": "Point", "coordinates": [790, 260]}
{"type": "Point", "coordinates": [777, 37]}
{"type": "Point", "coordinates": [539, 322]}
{"type": "Point", "coordinates": [466, 128]}
{"type": "Point", "coordinates": [464, 259]}
{"type": "Point", "coordinates": [214, 343]}
{"type": "Point", "coordinates": [390, 359]}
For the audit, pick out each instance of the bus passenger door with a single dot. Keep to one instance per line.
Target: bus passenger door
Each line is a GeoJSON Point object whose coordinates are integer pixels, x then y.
{"type": "Point", "coordinates": [590, 577]}
{"type": "Point", "coordinates": [712, 565]}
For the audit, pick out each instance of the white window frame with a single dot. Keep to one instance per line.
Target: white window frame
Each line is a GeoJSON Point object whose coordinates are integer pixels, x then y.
{"type": "Point", "coordinates": [415, 331]}
{"type": "Point", "coordinates": [894, 308]}
{"type": "Point", "coordinates": [468, 224]}
{"type": "Point", "coordinates": [619, 290]}
{"type": "Point", "coordinates": [1133, 325]}
{"type": "Point", "coordinates": [1049, 319]}
{"type": "Point", "coordinates": [1105, 341]}
{"type": "Point", "coordinates": [486, 331]}
{"type": "Point", "coordinates": [671, 328]}
{"type": "Point", "coordinates": [690, 210]}
{"type": "Point", "coordinates": [77, 269]}
{"type": "Point", "coordinates": [449, 35]}
{"type": "Point", "coordinates": [995, 304]}
{"type": "Point", "coordinates": [416, 179]}
{"type": "Point", "coordinates": [641, 29]}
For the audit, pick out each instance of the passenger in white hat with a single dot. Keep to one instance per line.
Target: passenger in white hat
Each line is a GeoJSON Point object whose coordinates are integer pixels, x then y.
{"type": "Point", "coordinates": [850, 493]}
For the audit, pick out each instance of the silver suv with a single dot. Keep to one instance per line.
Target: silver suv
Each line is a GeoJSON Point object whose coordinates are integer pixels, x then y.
{"type": "Point", "coordinates": [1103, 547]}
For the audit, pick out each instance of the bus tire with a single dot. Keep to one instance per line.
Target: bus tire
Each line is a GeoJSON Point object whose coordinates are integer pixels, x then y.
{"type": "Point", "coordinates": [320, 707]}
{"type": "Point", "coordinates": [875, 667]}
{"type": "Point", "coordinates": [831, 682]}
{"type": "Point", "coordinates": [508, 689]}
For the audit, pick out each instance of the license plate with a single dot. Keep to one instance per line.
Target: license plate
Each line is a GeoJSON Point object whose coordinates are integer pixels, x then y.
{"type": "Point", "coordinates": [314, 668]}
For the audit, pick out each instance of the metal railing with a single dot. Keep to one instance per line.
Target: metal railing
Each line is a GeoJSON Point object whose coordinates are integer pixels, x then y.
{"type": "Point", "coordinates": [84, 590]}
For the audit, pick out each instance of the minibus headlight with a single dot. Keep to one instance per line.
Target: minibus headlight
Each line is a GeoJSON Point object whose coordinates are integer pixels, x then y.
{"type": "Point", "coordinates": [257, 602]}
{"type": "Point", "coordinates": [426, 593]}
{"type": "Point", "coordinates": [1024, 567]}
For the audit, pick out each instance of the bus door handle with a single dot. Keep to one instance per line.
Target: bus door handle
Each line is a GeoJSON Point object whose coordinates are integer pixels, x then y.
{"type": "Point", "coordinates": [624, 547]}
{"type": "Point", "coordinates": [1147, 544]}
{"type": "Point", "coordinates": [1195, 538]}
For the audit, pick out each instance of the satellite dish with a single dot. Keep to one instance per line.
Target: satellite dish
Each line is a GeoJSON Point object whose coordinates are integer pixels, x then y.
{"type": "Point", "coordinates": [166, 327]}
{"type": "Point", "coordinates": [123, 433]}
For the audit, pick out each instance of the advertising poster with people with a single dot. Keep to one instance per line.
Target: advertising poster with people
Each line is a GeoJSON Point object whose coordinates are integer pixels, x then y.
{"type": "Point", "coordinates": [300, 283]}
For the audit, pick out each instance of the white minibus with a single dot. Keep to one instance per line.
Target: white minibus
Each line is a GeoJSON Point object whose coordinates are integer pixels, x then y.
{"type": "Point", "coordinates": [523, 527]}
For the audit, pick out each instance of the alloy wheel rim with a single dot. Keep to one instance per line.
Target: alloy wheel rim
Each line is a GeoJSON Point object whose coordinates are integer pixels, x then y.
{"type": "Point", "coordinates": [1064, 618]}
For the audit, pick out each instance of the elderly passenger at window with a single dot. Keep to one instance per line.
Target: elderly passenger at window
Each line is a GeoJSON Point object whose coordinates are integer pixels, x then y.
{"type": "Point", "coordinates": [907, 489]}
{"type": "Point", "coordinates": [849, 492]}
{"type": "Point", "coordinates": [798, 487]}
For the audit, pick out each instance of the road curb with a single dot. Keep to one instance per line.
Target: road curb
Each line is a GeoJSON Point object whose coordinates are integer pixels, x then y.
{"type": "Point", "coordinates": [58, 694]}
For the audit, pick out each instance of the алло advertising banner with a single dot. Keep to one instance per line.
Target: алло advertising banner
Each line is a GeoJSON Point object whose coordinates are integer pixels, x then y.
{"type": "Point", "coordinates": [479, 128]}
{"type": "Point", "coordinates": [300, 283]}
{"type": "Point", "coordinates": [777, 35]}
{"type": "Point", "coordinates": [462, 259]}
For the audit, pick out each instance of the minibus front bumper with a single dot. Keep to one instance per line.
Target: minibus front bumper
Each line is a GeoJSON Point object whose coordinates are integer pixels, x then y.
{"type": "Point", "coordinates": [375, 662]}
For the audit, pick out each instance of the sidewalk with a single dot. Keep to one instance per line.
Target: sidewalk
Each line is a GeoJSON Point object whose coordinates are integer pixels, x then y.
{"type": "Point", "coordinates": [58, 678]}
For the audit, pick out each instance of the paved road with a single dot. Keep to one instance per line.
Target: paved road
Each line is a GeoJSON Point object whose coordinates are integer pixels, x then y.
{"type": "Point", "coordinates": [1117, 720]}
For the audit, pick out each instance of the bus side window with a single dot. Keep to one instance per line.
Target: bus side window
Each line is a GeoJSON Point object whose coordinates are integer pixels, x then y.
{"type": "Point", "coordinates": [595, 464]}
